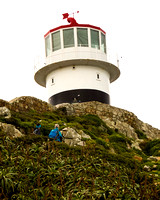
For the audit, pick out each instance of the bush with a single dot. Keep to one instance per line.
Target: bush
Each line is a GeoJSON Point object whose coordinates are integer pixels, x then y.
{"type": "Point", "coordinates": [91, 120]}
{"type": "Point", "coordinates": [151, 148]}
{"type": "Point", "coordinates": [33, 167]}
{"type": "Point", "coordinates": [110, 131]}
{"type": "Point", "coordinates": [140, 134]}
{"type": "Point", "coordinates": [117, 138]}
{"type": "Point", "coordinates": [102, 142]}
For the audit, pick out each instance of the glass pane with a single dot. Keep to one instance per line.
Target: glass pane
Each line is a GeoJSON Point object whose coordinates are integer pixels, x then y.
{"type": "Point", "coordinates": [47, 45]}
{"type": "Point", "coordinates": [56, 42]}
{"type": "Point", "coordinates": [95, 39]}
{"type": "Point", "coordinates": [103, 42]}
{"type": "Point", "coordinates": [68, 37]}
{"type": "Point", "coordinates": [82, 36]}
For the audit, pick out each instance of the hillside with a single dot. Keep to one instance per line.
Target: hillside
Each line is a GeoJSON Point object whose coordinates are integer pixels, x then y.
{"type": "Point", "coordinates": [108, 153]}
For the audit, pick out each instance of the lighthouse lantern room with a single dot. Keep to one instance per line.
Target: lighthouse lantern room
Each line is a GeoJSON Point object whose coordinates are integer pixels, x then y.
{"type": "Point", "coordinates": [77, 68]}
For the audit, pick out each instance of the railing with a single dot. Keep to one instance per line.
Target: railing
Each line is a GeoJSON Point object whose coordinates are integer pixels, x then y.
{"type": "Point", "coordinates": [112, 57]}
{"type": "Point", "coordinates": [39, 62]}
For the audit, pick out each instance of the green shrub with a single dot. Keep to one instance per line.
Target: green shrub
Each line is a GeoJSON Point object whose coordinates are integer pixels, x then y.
{"type": "Point", "coordinates": [102, 142]}
{"type": "Point", "coordinates": [117, 138]}
{"type": "Point", "coordinates": [155, 150]}
{"type": "Point", "coordinates": [51, 116]}
{"type": "Point", "coordinates": [91, 120]}
{"type": "Point", "coordinates": [33, 167]}
{"type": "Point", "coordinates": [110, 131]}
{"type": "Point", "coordinates": [48, 125]}
{"type": "Point", "coordinates": [120, 148]}
{"type": "Point", "coordinates": [141, 134]}
{"type": "Point", "coordinates": [75, 125]}
{"type": "Point", "coordinates": [151, 147]}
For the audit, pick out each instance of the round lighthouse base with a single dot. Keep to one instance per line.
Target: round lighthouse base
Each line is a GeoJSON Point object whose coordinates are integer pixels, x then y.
{"type": "Point", "coordinates": [79, 95]}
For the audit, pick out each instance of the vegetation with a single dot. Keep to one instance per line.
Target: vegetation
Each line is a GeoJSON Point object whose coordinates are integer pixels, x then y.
{"type": "Point", "coordinates": [140, 134]}
{"type": "Point", "coordinates": [151, 148]}
{"type": "Point", "coordinates": [33, 167]}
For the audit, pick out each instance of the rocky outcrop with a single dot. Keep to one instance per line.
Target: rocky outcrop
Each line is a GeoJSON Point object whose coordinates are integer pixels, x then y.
{"type": "Point", "coordinates": [5, 112]}
{"type": "Point", "coordinates": [4, 103]}
{"type": "Point", "coordinates": [25, 103]}
{"type": "Point", "coordinates": [10, 130]}
{"type": "Point", "coordinates": [122, 120]}
{"type": "Point", "coordinates": [119, 119]}
{"type": "Point", "coordinates": [74, 137]}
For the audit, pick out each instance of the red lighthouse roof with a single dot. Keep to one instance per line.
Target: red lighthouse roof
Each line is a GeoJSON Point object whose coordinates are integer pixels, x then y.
{"type": "Point", "coordinates": [73, 23]}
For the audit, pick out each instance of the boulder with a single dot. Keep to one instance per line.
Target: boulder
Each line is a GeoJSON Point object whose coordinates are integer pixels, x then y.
{"type": "Point", "coordinates": [10, 130]}
{"type": "Point", "coordinates": [124, 121]}
{"type": "Point", "coordinates": [154, 158]}
{"type": "Point", "coordinates": [5, 112]}
{"type": "Point", "coordinates": [74, 138]}
{"type": "Point", "coordinates": [147, 168]}
{"type": "Point", "coordinates": [83, 135]}
{"type": "Point", "coordinates": [135, 144]}
{"type": "Point", "coordinates": [71, 134]}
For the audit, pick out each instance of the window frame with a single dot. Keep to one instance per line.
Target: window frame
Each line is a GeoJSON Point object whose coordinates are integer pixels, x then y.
{"type": "Point", "coordinates": [103, 48]}
{"type": "Point", "coordinates": [93, 45]}
{"type": "Point", "coordinates": [47, 50]}
{"type": "Point", "coordinates": [52, 38]}
{"type": "Point", "coordinates": [82, 45]}
{"type": "Point", "coordinates": [71, 45]}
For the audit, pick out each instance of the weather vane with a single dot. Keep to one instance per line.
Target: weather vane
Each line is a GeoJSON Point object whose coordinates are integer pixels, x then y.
{"type": "Point", "coordinates": [71, 20]}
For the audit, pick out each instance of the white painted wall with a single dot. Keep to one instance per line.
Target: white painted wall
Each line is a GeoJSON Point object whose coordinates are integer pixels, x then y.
{"type": "Point", "coordinates": [80, 77]}
{"type": "Point", "coordinates": [76, 53]}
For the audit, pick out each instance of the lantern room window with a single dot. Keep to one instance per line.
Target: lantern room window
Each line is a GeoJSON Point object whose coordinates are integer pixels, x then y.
{"type": "Point", "coordinates": [95, 39]}
{"type": "Point", "coordinates": [103, 42]}
{"type": "Point", "coordinates": [47, 45]}
{"type": "Point", "coordinates": [56, 41]}
{"type": "Point", "coordinates": [68, 37]}
{"type": "Point", "coordinates": [82, 37]}
{"type": "Point", "coordinates": [75, 37]}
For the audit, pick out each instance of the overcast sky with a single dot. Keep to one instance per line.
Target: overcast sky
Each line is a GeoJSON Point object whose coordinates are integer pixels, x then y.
{"type": "Point", "coordinates": [133, 33]}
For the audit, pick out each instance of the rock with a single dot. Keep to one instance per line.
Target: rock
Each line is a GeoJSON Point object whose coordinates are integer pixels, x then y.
{"type": "Point", "coordinates": [26, 103]}
{"type": "Point", "coordinates": [71, 134]}
{"type": "Point", "coordinates": [154, 167]}
{"type": "Point", "coordinates": [10, 130]}
{"type": "Point", "coordinates": [81, 143]}
{"type": "Point", "coordinates": [3, 103]}
{"type": "Point", "coordinates": [124, 121]}
{"type": "Point", "coordinates": [71, 137]}
{"type": "Point", "coordinates": [74, 138]}
{"type": "Point", "coordinates": [147, 168]}
{"type": "Point", "coordinates": [119, 119]}
{"type": "Point", "coordinates": [112, 151]}
{"type": "Point", "coordinates": [5, 112]}
{"type": "Point", "coordinates": [83, 135]}
{"type": "Point", "coordinates": [153, 158]}
{"type": "Point", "coordinates": [136, 143]}
{"type": "Point", "coordinates": [72, 142]}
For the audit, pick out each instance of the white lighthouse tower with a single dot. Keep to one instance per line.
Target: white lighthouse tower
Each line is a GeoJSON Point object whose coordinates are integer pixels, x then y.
{"type": "Point", "coordinates": [77, 68]}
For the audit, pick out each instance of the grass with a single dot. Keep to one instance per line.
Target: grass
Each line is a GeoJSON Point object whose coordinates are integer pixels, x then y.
{"type": "Point", "coordinates": [33, 167]}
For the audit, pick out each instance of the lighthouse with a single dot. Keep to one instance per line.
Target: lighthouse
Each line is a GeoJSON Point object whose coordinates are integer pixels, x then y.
{"type": "Point", "coordinates": [76, 65]}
